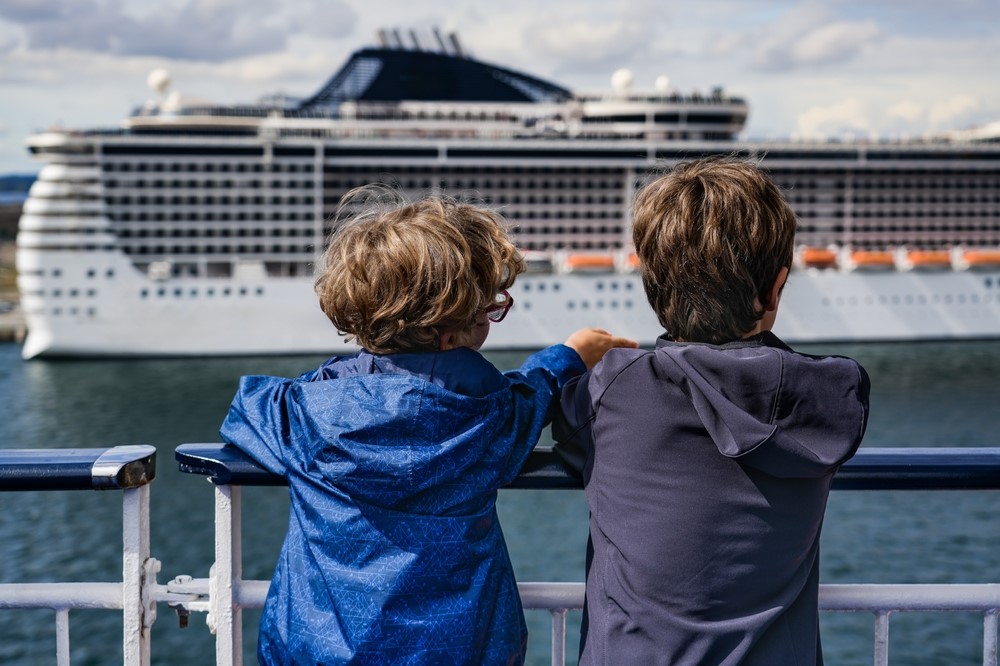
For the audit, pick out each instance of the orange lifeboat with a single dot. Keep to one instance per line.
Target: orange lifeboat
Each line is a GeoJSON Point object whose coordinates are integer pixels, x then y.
{"type": "Point", "coordinates": [872, 260]}
{"type": "Point", "coordinates": [817, 257]}
{"type": "Point", "coordinates": [928, 259]}
{"type": "Point", "coordinates": [589, 263]}
{"type": "Point", "coordinates": [981, 258]}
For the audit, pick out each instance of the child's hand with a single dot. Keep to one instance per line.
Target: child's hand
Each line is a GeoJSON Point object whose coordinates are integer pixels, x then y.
{"type": "Point", "coordinates": [592, 343]}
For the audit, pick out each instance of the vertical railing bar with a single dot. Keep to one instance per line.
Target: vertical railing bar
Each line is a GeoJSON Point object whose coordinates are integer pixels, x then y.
{"type": "Point", "coordinates": [558, 637]}
{"type": "Point", "coordinates": [227, 616]}
{"type": "Point", "coordinates": [237, 573]}
{"type": "Point", "coordinates": [62, 637]}
{"type": "Point", "coordinates": [882, 638]}
{"type": "Point", "coordinates": [990, 638]}
{"type": "Point", "coordinates": [135, 554]}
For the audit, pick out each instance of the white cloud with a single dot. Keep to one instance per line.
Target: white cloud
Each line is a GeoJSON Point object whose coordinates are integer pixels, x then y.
{"type": "Point", "coordinates": [951, 112]}
{"type": "Point", "coordinates": [833, 42]}
{"type": "Point", "coordinates": [905, 110]}
{"type": "Point", "coordinates": [809, 35]}
{"type": "Point", "coordinates": [215, 30]}
{"type": "Point", "coordinates": [845, 119]}
{"type": "Point", "coordinates": [587, 40]}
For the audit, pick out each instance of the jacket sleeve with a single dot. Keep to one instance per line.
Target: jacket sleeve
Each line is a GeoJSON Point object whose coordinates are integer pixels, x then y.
{"type": "Point", "coordinates": [258, 422]}
{"type": "Point", "coordinates": [572, 423]}
{"type": "Point", "coordinates": [535, 388]}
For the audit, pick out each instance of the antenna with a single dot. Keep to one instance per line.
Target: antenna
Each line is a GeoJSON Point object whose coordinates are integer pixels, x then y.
{"type": "Point", "coordinates": [440, 41]}
{"type": "Point", "coordinates": [453, 38]}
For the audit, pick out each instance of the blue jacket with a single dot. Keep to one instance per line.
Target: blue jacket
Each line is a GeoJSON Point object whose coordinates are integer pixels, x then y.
{"type": "Point", "coordinates": [394, 552]}
{"type": "Point", "coordinates": [707, 470]}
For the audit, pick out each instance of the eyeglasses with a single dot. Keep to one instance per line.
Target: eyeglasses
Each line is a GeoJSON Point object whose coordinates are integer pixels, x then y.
{"type": "Point", "coordinates": [501, 306]}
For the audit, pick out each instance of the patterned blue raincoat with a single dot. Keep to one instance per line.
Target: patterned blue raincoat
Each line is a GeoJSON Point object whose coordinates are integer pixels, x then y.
{"type": "Point", "coordinates": [394, 552]}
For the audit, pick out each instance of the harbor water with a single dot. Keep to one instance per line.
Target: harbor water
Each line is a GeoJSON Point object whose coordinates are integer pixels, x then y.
{"type": "Point", "coordinates": [927, 394]}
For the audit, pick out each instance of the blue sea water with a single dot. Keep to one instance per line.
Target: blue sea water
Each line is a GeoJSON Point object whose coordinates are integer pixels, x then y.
{"type": "Point", "coordinates": [929, 394]}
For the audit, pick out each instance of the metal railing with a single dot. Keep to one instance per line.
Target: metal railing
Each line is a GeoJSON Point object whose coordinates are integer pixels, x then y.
{"type": "Point", "coordinates": [126, 468]}
{"type": "Point", "coordinates": [224, 594]}
{"type": "Point", "coordinates": [870, 469]}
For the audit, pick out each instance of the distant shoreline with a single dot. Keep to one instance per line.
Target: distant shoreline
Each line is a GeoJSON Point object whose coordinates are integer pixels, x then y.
{"type": "Point", "coordinates": [12, 325]}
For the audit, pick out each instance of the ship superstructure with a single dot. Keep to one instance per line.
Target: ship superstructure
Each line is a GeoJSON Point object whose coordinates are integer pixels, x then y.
{"type": "Point", "coordinates": [195, 229]}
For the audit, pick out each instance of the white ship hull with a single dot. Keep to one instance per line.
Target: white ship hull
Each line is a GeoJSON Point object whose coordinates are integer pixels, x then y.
{"type": "Point", "coordinates": [194, 229]}
{"type": "Point", "coordinates": [206, 317]}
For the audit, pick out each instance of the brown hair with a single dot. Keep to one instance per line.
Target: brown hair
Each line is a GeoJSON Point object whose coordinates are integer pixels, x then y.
{"type": "Point", "coordinates": [711, 236]}
{"type": "Point", "coordinates": [396, 273]}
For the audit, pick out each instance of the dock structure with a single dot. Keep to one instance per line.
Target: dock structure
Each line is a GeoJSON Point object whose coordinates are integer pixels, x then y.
{"type": "Point", "coordinates": [224, 593]}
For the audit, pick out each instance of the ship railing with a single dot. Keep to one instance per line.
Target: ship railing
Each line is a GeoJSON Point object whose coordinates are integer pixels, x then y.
{"type": "Point", "coordinates": [129, 469]}
{"type": "Point", "coordinates": [226, 593]}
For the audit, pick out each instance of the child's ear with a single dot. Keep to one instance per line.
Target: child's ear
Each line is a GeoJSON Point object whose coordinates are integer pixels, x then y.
{"type": "Point", "coordinates": [774, 293]}
{"type": "Point", "coordinates": [448, 340]}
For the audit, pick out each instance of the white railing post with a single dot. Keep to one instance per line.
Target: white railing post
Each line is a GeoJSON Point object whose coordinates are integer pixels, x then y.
{"type": "Point", "coordinates": [226, 615]}
{"type": "Point", "coordinates": [62, 637]}
{"type": "Point", "coordinates": [990, 638]}
{"type": "Point", "coordinates": [882, 638]}
{"type": "Point", "coordinates": [559, 636]}
{"type": "Point", "coordinates": [137, 617]}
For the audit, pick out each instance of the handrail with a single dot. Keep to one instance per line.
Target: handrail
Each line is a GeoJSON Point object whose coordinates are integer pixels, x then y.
{"type": "Point", "coordinates": [115, 468]}
{"type": "Point", "coordinates": [870, 469]}
{"type": "Point", "coordinates": [924, 468]}
{"type": "Point", "coordinates": [126, 468]}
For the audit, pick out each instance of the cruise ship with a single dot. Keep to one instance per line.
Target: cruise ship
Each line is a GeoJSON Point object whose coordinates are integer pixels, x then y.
{"type": "Point", "coordinates": [195, 229]}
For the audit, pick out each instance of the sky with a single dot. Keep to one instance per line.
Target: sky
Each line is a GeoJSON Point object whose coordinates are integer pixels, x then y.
{"type": "Point", "coordinates": [842, 69]}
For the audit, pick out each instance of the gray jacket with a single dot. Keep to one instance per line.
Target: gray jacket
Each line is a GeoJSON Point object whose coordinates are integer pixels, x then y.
{"type": "Point", "coordinates": [707, 470]}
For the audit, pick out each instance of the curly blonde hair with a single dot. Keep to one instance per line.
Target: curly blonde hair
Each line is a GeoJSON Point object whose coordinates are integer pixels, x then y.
{"type": "Point", "coordinates": [711, 237]}
{"type": "Point", "coordinates": [396, 274]}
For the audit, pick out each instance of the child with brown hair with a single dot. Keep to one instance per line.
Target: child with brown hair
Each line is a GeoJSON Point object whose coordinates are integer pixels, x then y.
{"type": "Point", "coordinates": [394, 455]}
{"type": "Point", "coordinates": [707, 461]}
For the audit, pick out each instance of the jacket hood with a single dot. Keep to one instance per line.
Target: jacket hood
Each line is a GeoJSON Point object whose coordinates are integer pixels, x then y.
{"type": "Point", "coordinates": [784, 413]}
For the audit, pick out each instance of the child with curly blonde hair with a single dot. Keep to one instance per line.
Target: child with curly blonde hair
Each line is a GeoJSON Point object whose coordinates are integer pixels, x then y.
{"type": "Point", "coordinates": [394, 455]}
